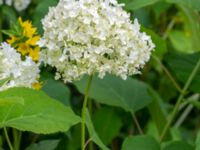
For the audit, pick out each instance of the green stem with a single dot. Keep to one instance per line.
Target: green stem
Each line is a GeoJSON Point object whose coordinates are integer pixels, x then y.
{"type": "Point", "coordinates": [137, 124]}
{"type": "Point", "coordinates": [90, 144]}
{"type": "Point", "coordinates": [7, 138]}
{"type": "Point", "coordinates": [1, 25]}
{"type": "Point", "coordinates": [17, 139]}
{"type": "Point", "coordinates": [84, 113]}
{"type": "Point", "coordinates": [169, 28]}
{"type": "Point", "coordinates": [182, 94]}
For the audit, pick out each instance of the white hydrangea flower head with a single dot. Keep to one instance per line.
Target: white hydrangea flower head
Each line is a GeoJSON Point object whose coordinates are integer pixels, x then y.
{"type": "Point", "coordinates": [23, 73]}
{"type": "Point", "coordinates": [1, 2]}
{"type": "Point", "coordinates": [18, 4]}
{"type": "Point", "coordinates": [93, 36]}
{"type": "Point", "coordinates": [9, 2]}
{"type": "Point", "coordinates": [21, 4]}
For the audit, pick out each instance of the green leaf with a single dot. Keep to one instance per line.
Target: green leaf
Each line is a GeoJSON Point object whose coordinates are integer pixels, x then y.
{"type": "Point", "coordinates": [195, 4]}
{"type": "Point", "coordinates": [110, 126]}
{"type": "Point", "coordinates": [39, 114]}
{"type": "Point", "coordinates": [178, 145]}
{"type": "Point", "coordinates": [194, 24]}
{"type": "Point", "coordinates": [181, 41]}
{"type": "Point", "coordinates": [11, 100]}
{"type": "Point", "coordinates": [93, 135]}
{"type": "Point", "coordinates": [44, 145]}
{"type": "Point", "coordinates": [130, 94]}
{"type": "Point", "coordinates": [140, 143]}
{"type": "Point", "coordinates": [197, 142]}
{"type": "Point", "coordinates": [182, 65]}
{"type": "Point", "coordinates": [10, 32]}
{"type": "Point", "coordinates": [9, 13]}
{"type": "Point", "coordinates": [151, 129]}
{"type": "Point", "coordinates": [4, 81]}
{"type": "Point", "coordinates": [136, 4]}
{"type": "Point", "coordinates": [74, 138]}
{"type": "Point", "coordinates": [57, 90]}
{"type": "Point", "coordinates": [160, 8]}
{"type": "Point", "coordinates": [157, 111]}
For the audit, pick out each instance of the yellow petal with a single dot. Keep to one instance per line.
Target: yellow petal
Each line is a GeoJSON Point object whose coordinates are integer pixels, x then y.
{"type": "Point", "coordinates": [12, 40]}
{"type": "Point", "coordinates": [32, 41]}
{"type": "Point", "coordinates": [35, 53]}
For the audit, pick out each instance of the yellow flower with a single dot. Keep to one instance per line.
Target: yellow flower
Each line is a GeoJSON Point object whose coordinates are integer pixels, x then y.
{"type": "Point", "coordinates": [37, 86]}
{"type": "Point", "coordinates": [35, 53]}
{"type": "Point", "coordinates": [27, 28]}
{"type": "Point", "coordinates": [26, 42]}
{"type": "Point", "coordinates": [23, 48]}
{"type": "Point", "coordinates": [24, 39]}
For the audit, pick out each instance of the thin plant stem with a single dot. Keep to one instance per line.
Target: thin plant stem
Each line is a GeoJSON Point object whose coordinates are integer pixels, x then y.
{"type": "Point", "coordinates": [183, 116]}
{"type": "Point", "coordinates": [84, 112]}
{"type": "Point", "coordinates": [191, 99]}
{"type": "Point", "coordinates": [17, 139]}
{"type": "Point", "coordinates": [180, 98]}
{"type": "Point", "coordinates": [88, 142]}
{"type": "Point", "coordinates": [137, 123]}
{"type": "Point", "coordinates": [1, 24]}
{"type": "Point", "coordinates": [168, 74]}
{"type": "Point", "coordinates": [187, 110]}
{"type": "Point", "coordinates": [169, 27]}
{"type": "Point", "coordinates": [90, 104]}
{"type": "Point", "coordinates": [7, 139]}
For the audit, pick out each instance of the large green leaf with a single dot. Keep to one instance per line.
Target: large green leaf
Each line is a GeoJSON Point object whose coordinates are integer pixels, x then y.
{"type": "Point", "coordinates": [129, 94]}
{"type": "Point", "coordinates": [136, 4]}
{"type": "Point", "coordinates": [39, 113]}
{"type": "Point", "coordinates": [140, 143]}
{"type": "Point", "coordinates": [110, 126]}
{"type": "Point", "coordinates": [182, 65]}
{"type": "Point", "coordinates": [44, 145]}
{"type": "Point", "coordinates": [93, 135]}
{"type": "Point", "coordinates": [178, 145]}
{"type": "Point", "coordinates": [11, 100]}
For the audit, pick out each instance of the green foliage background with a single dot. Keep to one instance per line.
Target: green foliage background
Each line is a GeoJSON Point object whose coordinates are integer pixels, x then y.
{"type": "Point", "coordinates": [115, 104]}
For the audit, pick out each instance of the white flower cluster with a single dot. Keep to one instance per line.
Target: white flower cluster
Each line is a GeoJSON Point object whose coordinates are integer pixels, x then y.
{"type": "Point", "coordinates": [93, 36]}
{"type": "Point", "coordinates": [18, 4]}
{"type": "Point", "coordinates": [22, 73]}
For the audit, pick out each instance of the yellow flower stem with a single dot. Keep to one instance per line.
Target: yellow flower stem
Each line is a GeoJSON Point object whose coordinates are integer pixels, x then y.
{"type": "Point", "coordinates": [84, 112]}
